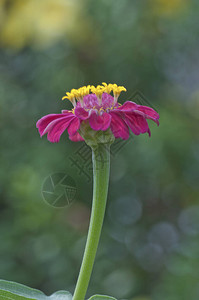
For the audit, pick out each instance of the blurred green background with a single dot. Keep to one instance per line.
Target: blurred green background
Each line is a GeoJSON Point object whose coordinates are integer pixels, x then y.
{"type": "Point", "coordinates": [149, 247]}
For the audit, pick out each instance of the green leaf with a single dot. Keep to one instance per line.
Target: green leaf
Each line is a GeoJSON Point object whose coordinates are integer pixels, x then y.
{"type": "Point", "coordinates": [60, 295]}
{"type": "Point", "coordinates": [101, 297]}
{"type": "Point", "coordinates": [15, 291]}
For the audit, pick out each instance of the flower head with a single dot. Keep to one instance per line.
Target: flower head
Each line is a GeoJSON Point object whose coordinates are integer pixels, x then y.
{"type": "Point", "coordinates": [94, 110]}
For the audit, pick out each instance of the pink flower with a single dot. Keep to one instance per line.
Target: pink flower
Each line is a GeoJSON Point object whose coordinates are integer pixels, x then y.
{"type": "Point", "coordinates": [101, 111]}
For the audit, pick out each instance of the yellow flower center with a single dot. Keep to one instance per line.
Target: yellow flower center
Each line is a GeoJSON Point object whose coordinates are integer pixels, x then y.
{"type": "Point", "coordinates": [78, 94]}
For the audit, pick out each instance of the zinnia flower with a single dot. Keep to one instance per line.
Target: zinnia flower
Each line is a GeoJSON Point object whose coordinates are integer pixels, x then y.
{"type": "Point", "coordinates": [98, 109]}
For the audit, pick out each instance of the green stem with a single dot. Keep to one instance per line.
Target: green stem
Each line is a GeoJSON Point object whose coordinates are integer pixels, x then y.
{"type": "Point", "coordinates": [101, 168]}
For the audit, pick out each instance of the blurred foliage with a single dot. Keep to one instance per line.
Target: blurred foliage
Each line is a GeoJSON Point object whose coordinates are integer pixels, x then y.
{"type": "Point", "coordinates": [41, 23]}
{"type": "Point", "coordinates": [149, 247]}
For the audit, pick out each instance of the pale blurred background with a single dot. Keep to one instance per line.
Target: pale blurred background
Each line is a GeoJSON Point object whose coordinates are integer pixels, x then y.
{"type": "Point", "coordinates": [150, 242]}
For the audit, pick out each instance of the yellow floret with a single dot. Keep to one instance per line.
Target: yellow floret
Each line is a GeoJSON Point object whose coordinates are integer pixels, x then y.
{"type": "Point", "coordinates": [69, 96]}
{"type": "Point", "coordinates": [98, 90]}
{"type": "Point", "coordinates": [108, 88]}
{"type": "Point", "coordinates": [117, 90]}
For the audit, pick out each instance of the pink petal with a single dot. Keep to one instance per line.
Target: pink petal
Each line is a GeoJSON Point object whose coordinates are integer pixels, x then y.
{"type": "Point", "coordinates": [100, 122]}
{"type": "Point", "coordinates": [136, 123]}
{"type": "Point", "coordinates": [128, 106]}
{"type": "Point", "coordinates": [119, 127]}
{"type": "Point", "coordinates": [81, 113]}
{"type": "Point", "coordinates": [56, 128]}
{"type": "Point", "coordinates": [148, 113]}
{"type": "Point", "coordinates": [76, 137]}
{"type": "Point", "coordinates": [46, 120]}
{"type": "Point", "coordinates": [107, 100]}
{"type": "Point", "coordinates": [73, 126]}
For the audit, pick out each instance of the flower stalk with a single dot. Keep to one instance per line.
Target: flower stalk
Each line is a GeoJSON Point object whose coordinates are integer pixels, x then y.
{"type": "Point", "coordinates": [101, 169]}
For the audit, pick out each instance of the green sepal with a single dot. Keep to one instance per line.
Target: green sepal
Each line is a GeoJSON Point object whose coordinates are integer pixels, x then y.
{"type": "Point", "coordinates": [95, 138]}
